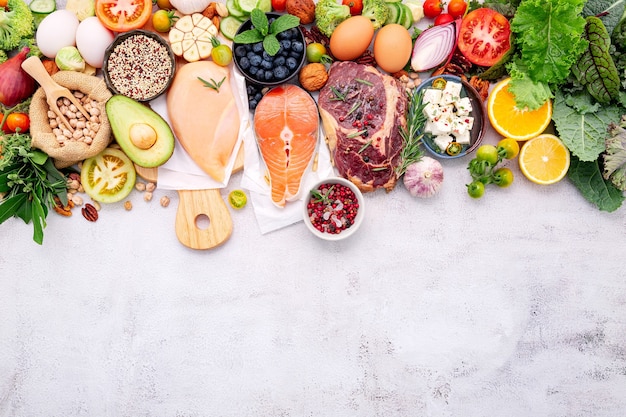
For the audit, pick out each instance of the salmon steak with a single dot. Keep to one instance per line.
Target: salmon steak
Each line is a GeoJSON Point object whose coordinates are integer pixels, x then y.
{"type": "Point", "coordinates": [202, 109]}
{"type": "Point", "coordinates": [286, 125]}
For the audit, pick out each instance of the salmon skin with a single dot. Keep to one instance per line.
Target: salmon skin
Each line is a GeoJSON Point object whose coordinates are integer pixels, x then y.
{"type": "Point", "coordinates": [286, 125]}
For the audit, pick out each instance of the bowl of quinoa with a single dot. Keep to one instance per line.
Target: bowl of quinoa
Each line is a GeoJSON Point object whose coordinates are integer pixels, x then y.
{"type": "Point", "coordinates": [139, 64]}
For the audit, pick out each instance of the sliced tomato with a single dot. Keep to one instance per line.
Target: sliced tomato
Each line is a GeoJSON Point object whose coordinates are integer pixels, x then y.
{"type": "Point", "coordinates": [109, 176]}
{"type": "Point", "coordinates": [484, 36]}
{"type": "Point", "coordinates": [123, 15]}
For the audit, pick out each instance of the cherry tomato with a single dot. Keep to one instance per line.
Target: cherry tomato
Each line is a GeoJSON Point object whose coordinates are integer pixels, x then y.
{"type": "Point", "coordinates": [432, 8]}
{"type": "Point", "coordinates": [315, 51]}
{"type": "Point", "coordinates": [484, 36]}
{"type": "Point", "coordinates": [17, 121]}
{"type": "Point", "coordinates": [164, 4]}
{"type": "Point", "coordinates": [237, 199]}
{"type": "Point", "coordinates": [457, 8]}
{"type": "Point", "coordinates": [162, 20]}
{"type": "Point", "coordinates": [487, 153]}
{"type": "Point", "coordinates": [503, 177]}
{"type": "Point", "coordinates": [476, 189]}
{"type": "Point", "coordinates": [123, 15]}
{"type": "Point", "coordinates": [508, 148]}
{"type": "Point", "coordinates": [279, 5]}
{"type": "Point", "coordinates": [3, 3]}
{"type": "Point", "coordinates": [5, 128]}
{"type": "Point", "coordinates": [443, 18]}
{"type": "Point", "coordinates": [222, 55]}
{"type": "Point", "coordinates": [356, 6]}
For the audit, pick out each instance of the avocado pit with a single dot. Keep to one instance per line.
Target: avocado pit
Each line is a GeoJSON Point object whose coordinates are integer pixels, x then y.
{"type": "Point", "coordinates": [142, 135]}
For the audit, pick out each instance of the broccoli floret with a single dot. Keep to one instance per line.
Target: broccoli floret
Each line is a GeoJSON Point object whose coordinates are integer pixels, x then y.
{"type": "Point", "coordinates": [16, 22]}
{"type": "Point", "coordinates": [3, 56]}
{"type": "Point", "coordinates": [376, 11]}
{"type": "Point", "coordinates": [328, 15]}
{"type": "Point", "coordinates": [30, 43]}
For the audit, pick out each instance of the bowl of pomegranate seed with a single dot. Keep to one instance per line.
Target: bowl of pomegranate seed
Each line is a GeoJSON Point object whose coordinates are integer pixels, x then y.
{"type": "Point", "coordinates": [333, 209]}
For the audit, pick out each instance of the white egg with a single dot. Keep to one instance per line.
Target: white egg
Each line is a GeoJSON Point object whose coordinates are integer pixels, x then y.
{"type": "Point", "coordinates": [92, 40]}
{"type": "Point", "coordinates": [55, 31]}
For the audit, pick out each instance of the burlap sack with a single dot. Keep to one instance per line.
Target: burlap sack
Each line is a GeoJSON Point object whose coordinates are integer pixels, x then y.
{"type": "Point", "coordinates": [71, 152]}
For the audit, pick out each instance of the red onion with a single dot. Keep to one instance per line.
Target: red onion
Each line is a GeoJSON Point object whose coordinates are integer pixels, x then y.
{"type": "Point", "coordinates": [424, 178]}
{"type": "Point", "coordinates": [434, 46]}
{"type": "Point", "coordinates": [15, 84]}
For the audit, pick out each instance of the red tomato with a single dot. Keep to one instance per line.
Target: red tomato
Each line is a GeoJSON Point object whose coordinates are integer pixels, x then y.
{"type": "Point", "coordinates": [443, 18]}
{"type": "Point", "coordinates": [432, 8]}
{"type": "Point", "coordinates": [123, 15]}
{"type": "Point", "coordinates": [18, 121]}
{"type": "Point", "coordinates": [484, 36]}
{"type": "Point", "coordinates": [5, 127]}
{"type": "Point", "coordinates": [457, 8]}
{"type": "Point", "coordinates": [279, 5]}
{"type": "Point", "coordinates": [356, 6]}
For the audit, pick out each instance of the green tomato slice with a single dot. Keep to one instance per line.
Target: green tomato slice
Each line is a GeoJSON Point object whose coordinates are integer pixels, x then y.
{"type": "Point", "coordinates": [108, 177]}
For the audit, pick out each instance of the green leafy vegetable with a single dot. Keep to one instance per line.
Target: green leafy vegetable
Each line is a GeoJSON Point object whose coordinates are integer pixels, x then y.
{"type": "Point", "coordinates": [30, 181]}
{"type": "Point", "coordinates": [609, 11]}
{"type": "Point", "coordinates": [413, 132]}
{"type": "Point", "coordinates": [548, 34]}
{"type": "Point", "coordinates": [528, 93]}
{"type": "Point", "coordinates": [263, 31]}
{"type": "Point", "coordinates": [586, 176]}
{"type": "Point", "coordinates": [615, 156]}
{"type": "Point", "coordinates": [595, 68]}
{"type": "Point", "coordinates": [582, 131]}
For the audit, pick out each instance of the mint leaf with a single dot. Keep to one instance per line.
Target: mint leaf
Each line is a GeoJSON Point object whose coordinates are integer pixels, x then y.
{"type": "Point", "coordinates": [587, 177]}
{"type": "Point", "coordinates": [271, 44]}
{"type": "Point", "coordinates": [283, 23]}
{"type": "Point", "coordinates": [259, 21]}
{"type": "Point", "coordinates": [548, 34]}
{"type": "Point", "coordinates": [249, 36]}
{"type": "Point", "coordinates": [584, 134]}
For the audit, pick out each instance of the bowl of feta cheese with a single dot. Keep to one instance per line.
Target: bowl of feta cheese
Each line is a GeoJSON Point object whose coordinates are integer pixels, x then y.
{"type": "Point", "coordinates": [455, 116]}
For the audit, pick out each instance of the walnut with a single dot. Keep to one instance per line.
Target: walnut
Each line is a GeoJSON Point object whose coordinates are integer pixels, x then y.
{"type": "Point", "coordinates": [304, 9]}
{"type": "Point", "coordinates": [313, 76]}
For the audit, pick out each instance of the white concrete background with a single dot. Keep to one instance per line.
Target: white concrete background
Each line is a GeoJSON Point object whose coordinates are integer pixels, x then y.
{"type": "Point", "coordinates": [511, 305]}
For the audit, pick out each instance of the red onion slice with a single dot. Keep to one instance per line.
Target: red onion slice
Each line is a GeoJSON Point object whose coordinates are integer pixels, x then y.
{"type": "Point", "coordinates": [434, 46]}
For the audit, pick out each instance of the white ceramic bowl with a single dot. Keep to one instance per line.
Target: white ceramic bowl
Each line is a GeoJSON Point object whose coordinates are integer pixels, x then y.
{"type": "Point", "coordinates": [344, 232]}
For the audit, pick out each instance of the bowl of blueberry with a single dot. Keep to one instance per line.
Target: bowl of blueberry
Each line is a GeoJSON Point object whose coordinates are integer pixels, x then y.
{"type": "Point", "coordinates": [259, 66]}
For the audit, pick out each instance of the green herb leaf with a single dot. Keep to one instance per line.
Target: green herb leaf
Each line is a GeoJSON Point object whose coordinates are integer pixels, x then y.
{"type": "Point", "coordinates": [284, 22]}
{"type": "Point", "coordinates": [595, 69]}
{"type": "Point", "coordinates": [609, 11]}
{"type": "Point", "coordinates": [249, 36]}
{"type": "Point", "coordinates": [586, 176]}
{"type": "Point", "coordinates": [259, 21]}
{"type": "Point", "coordinates": [39, 220]}
{"type": "Point", "coordinates": [584, 134]}
{"type": "Point", "coordinates": [25, 212]}
{"type": "Point", "coordinates": [11, 205]}
{"type": "Point", "coordinates": [39, 157]}
{"type": "Point", "coordinates": [271, 45]}
{"type": "Point", "coordinates": [214, 85]}
{"type": "Point", "coordinates": [413, 132]}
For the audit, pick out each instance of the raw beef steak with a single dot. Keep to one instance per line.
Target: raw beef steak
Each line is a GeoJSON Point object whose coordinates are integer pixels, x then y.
{"type": "Point", "coordinates": [362, 111]}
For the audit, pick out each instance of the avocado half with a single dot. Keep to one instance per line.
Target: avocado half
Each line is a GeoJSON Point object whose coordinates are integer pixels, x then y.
{"type": "Point", "coordinates": [142, 133]}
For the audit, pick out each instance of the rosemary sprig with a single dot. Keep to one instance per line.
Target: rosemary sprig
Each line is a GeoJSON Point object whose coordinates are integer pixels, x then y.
{"type": "Point", "coordinates": [354, 108]}
{"type": "Point", "coordinates": [413, 133]}
{"type": "Point", "coordinates": [362, 81]}
{"type": "Point", "coordinates": [338, 96]}
{"type": "Point", "coordinates": [355, 134]}
{"type": "Point", "coordinates": [215, 85]}
{"type": "Point", "coordinates": [322, 198]}
{"type": "Point", "coordinates": [365, 146]}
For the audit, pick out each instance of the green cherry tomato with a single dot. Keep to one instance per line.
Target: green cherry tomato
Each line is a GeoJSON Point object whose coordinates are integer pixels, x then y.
{"type": "Point", "coordinates": [222, 55]}
{"type": "Point", "coordinates": [237, 199]}
{"type": "Point", "coordinates": [503, 177]}
{"type": "Point", "coordinates": [487, 153]}
{"type": "Point", "coordinates": [476, 189]}
{"type": "Point", "coordinates": [508, 148]}
{"type": "Point", "coordinates": [315, 51]}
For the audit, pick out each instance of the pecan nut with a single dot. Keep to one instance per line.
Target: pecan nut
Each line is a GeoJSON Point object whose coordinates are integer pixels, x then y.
{"type": "Point", "coordinates": [61, 209]}
{"type": "Point", "coordinates": [90, 213]}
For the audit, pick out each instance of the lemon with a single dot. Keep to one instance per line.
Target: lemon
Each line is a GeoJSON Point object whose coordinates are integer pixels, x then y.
{"type": "Point", "coordinates": [544, 159]}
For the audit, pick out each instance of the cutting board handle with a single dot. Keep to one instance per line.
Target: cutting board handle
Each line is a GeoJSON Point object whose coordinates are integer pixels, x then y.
{"type": "Point", "coordinates": [194, 203]}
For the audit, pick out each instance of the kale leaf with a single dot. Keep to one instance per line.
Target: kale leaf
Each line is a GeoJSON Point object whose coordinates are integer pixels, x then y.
{"type": "Point", "coordinates": [609, 11]}
{"type": "Point", "coordinates": [615, 156]}
{"type": "Point", "coordinates": [587, 177]}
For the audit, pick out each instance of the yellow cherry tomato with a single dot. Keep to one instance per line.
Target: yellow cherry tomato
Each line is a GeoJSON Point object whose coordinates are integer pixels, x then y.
{"type": "Point", "coordinates": [162, 20]}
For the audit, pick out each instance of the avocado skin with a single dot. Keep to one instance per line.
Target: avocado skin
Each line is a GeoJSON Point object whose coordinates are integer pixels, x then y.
{"type": "Point", "coordinates": [122, 113]}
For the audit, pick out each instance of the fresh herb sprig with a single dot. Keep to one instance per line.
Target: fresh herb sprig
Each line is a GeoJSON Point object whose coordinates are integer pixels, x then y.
{"type": "Point", "coordinates": [262, 31]}
{"type": "Point", "coordinates": [413, 132]}
{"type": "Point", "coordinates": [322, 198]}
{"type": "Point", "coordinates": [29, 181]}
{"type": "Point", "coordinates": [214, 85]}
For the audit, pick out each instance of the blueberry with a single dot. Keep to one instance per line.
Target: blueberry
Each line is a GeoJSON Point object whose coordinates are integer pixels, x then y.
{"type": "Point", "coordinates": [255, 60]}
{"type": "Point", "coordinates": [281, 72]}
{"type": "Point", "coordinates": [283, 35]}
{"type": "Point", "coordinates": [253, 70]}
{"type": "Point", "coordinates": [257, 47]}
{"type": "Point", "coordinates": [244, 63]}
{"type": "Point", "coordinates": [269, 75]}
{"type": "Point", "coordinates": [260, 75]}
{"type": "Point", "coordinates": [296, 55]}
{"type": "Point", "coordinates": [279, 60]}
{"type": "Point", "coordinates": [291, 63]}
{"type": "Point", "coordinates": [285, 43]}
{"type": "Point", "coordinates": [240, 51]}
{"type": "Point", "coordinates": [248, 47]}
{"type": "Point", "coordinates": [250, 90]}
{"type": "Point", "coordinates": [258, 96]}
{"type": "Point", "coordinates": [266, 64]}
{"type": "Point", "coordinates": [252, 104]}
{"type": "Point", "coordinates": [297, 46]}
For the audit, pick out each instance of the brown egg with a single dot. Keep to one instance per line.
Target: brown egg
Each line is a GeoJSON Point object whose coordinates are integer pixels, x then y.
{"type": "Point", "coordinates": [351, 38]}
{"type": "Point", "coordinates": [392, 47]}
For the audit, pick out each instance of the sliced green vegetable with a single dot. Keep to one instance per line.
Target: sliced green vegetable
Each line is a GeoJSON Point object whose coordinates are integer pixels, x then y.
{"type": "Point", "coordinates": [229, 26]}
{"type": "Point", "coordinates": [43, 6]}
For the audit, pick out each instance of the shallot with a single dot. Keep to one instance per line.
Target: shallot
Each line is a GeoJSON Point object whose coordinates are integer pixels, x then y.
{"type": "Point", "coordinates": [424, 178]}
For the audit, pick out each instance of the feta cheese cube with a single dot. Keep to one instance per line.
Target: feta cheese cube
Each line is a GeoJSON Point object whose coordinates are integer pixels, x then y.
{"type": "Point", "coordinates": [447, 111]}
{"type": "Point", "coordinates": [432, 95]}
{"type": "Point", "coordinates": [451, 92]}
{"type": "Point", "coordinates": [441, 127]}
{"type": "Point", "coordinates": [432, 111]}
{"type": "Point", "coordinates": [463, 106]}
{"type": "Point", "coordinates": [463, 138]}
{"type": "Point", "coordinates": [442, 141]}
{"type": "Point", "coordinates": [458, 126]}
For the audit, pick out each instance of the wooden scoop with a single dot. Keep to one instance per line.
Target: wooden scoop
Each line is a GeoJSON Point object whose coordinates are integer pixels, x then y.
{"type": "Point", "coordinates": [34, 67]}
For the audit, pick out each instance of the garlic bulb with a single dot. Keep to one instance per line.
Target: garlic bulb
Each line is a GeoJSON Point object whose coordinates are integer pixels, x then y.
{"type": "Point", "coordinates": [424, 178]}
{"type": "Point", "coordinates": [190, 6]}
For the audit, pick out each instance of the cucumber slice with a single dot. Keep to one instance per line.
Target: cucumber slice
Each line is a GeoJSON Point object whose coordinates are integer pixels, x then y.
{"type": "Point", "coordinates": [394, 13]}
{"type": "Point", "coordinates": [43, 6]}
{"type": "Point", "coordinates": [229, 26]}
{"type": "Point", "coordinates": [407, 16]}
{"type": "Point", "coordinates": [264, 5]}
{"type": "Point", "coordinates": [233, 9]}
{"type": "Point", "coordinates": [247, 5]}
{"type": "Point", "coordinates": [393, 1]}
